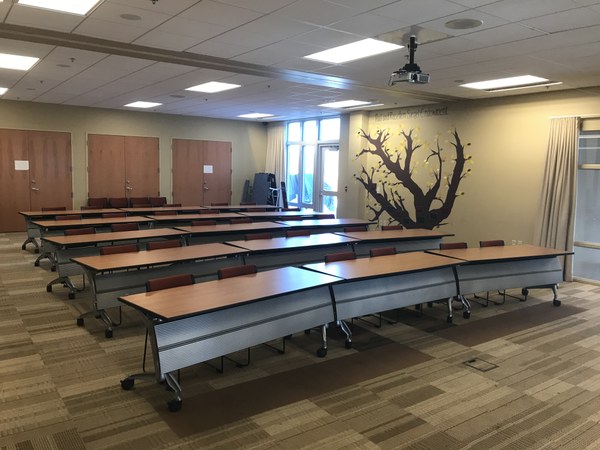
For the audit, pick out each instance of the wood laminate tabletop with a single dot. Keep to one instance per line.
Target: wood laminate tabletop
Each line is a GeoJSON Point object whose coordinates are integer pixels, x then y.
{"type": "Point", "coordinates": [81, 212]}
{"type": "Point", "coordinates": [498, 253]}
{"type": "Point", "coordinates": [316, 223]}
{"type": "Point", "coordinates": [284, 214]}
{"type": "Point", "coordinates": [179, 302]}
{"type": "Point", "coordinates": [119, 261]}
{"type": "Point", "coordinates": [292, 243]}
{"type": "Point", "coordinates": [190, 217]}
{"type": "Point", "coordinates": [225, 228]}
{"type": "Point", "coordinates": [241, 207]}
{"type": "Point", "coordinates": [378, 266]}
{"type": "Point", "coordinates": [152, 209]}
{"type": "Point", "coordinates": [91, 222]}
{"type": "Point", "coordinates": [90, 239]}
{"type": "Point", "coordinates": [378, 235]}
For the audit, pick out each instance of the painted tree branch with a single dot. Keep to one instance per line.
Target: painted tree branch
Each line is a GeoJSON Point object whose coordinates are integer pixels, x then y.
{"type": "Point", "coordinates": [431, 207]}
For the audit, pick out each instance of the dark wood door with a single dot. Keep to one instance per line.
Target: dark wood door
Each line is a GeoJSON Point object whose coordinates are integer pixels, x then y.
{"type": "Point", "coordinates": [50, 169]}
{"type": "Point", "coordinates": [35, 172]}
{"type": "Point", "coordinates": [123, 166]}
{"type": "Point", "coordinates": [201, 172]}
{"type": "Point", "coordinates": [14, 179]}
{"type": "Point", "coordinates": [217, 172]}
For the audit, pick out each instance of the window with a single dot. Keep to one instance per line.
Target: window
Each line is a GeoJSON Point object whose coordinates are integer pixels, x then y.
{"type": "Point", "coordinates": [312, 149]}
{"type": "Point", "coordinates": [587, 210]}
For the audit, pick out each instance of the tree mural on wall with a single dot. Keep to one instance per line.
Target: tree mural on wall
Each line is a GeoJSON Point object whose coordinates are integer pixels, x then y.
{"type": "Point", "coordinates": [393, 176]}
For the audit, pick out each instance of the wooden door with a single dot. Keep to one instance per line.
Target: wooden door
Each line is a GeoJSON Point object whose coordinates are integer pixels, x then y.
{"type": "Point", "coordinates": [141, 166]}
{"type": "Point", "coordinates": [187, 171]}
{"type": "Point", "coordinates": [122, 166]}
{"type": "Point", "coordinates": [217, 172]}
{"type": "Point", "coordinates": [14, 179]}
{"type": "Point", "coordinates": [106, 166]}
{"type": "Point", "coordinates": [50, 169]}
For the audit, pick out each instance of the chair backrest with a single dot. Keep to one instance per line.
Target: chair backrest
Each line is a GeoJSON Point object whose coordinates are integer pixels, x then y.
{"type": "Point", "coordinates": [77, 231]}
{"type": "Point", "coordinates": [164, 213]}
{"type": "Point", "coordinates": [157, 201]}
{"type": "Point", "coordinates": [235, 271]}
{"type": "Point", "coordinates": [492, 243]}
{"type": "Point", "coordinates": [357, 228]}
{"type": "Point", "coordinates": [169, 243]}
{"type": "Point", "coordinates": [172, 204]}
{"type": "Point", "coordinates": [139, 201]}
{"type": "Point", "coordinates": [391, 227]}
{"type": "Point", "coordinates": [54, 208]}
{"type": "Point", "coordinates": [201, 223]}
{"type": "Point", "coordinates": [98, 202]}
{"type": "Point", "coordinates": [68, 217]}
{"type": "Point", "coordinates": [293, 233]}
{"type": "Point", "coordinates": [251, 237]}
{"type": "Point", "coordinates": [114, 249]}
{"type": "Point", "coordinates": [241, 220]}
{"type": "Point", "coordinates": [382, 251]}
{"type": "Point", "coordinates": [141, 205]}
{"type": "Point", "coordinates": [118, 202]}
{"type": "Point", "coordinates": [452, 245]}
{"type": "Point", "coordinates": [341, 256]}
{"type": "Point", "coordinates": [157, 284]}
{"type": "Point", "coordinates": [124, 227]}
{"type": "Point", "coordinates": [111, 215]}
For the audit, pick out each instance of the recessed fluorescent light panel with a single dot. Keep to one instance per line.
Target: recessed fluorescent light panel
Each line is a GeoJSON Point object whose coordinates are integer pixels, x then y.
{"type": "Point", "coordinates": [17, 62]}
{"type": "Point", "coordinates": [354, 51]}
{"type": "Point", "coordinates": [213, 86]}
{"type": "Point", "coordinates": [3, 90]}
{"type": "Point", "coordinates": [143, 104]}
{"type": "Point", "coordinates": [503, 83]}
{"type": "Point", "coordinates": [255, 115]}
{"type": "Point", "coordinates": [345, 104]}
{"type": "Point", "coordinates": [79, 7]}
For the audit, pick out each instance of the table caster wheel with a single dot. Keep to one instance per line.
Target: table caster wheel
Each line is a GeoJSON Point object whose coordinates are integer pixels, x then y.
{"type": "Point", "coordinates": [53, 268]}
{"type": "Point", "coordinates": [108, 333]}
{"type": "Point", "coordinates": [449, 319]}
{"type": "Point", "coordinates": [348, 343]}
{"type": "Point", "coordinates": [127, 383]}
{"type": "Point", "coordinates": [322, 352]}
{"type": "Point", "coordinates": [49, 288]}
{"type": "Point", "coordinates": [71, 295]}
{"type": "Point", "coordinates": [80, 321]}
{"type": "Point", "coordinates": [556, 302]}
{"type": "Point", "coordinates": [525, 292]}
{"type": "Point", "coordinates": [36, 264]}
{"type": "Point", "coordinates": [466, 314]}
{"type": "Point", "coordinates": [174, 405]}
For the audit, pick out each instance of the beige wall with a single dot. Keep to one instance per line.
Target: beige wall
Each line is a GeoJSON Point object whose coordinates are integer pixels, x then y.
{"type": "Point", "coordinates": [248, 138]}
{"type": "Point", "coordinates": [508, 145]}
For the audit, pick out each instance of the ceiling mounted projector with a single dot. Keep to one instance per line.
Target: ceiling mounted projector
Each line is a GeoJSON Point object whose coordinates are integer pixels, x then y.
{"type": "Point", "coordinates": [411, 72]}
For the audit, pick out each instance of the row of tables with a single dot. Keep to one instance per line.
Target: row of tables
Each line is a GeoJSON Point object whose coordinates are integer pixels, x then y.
{"type": "Point", "coordinates": [191, 324]}
{"type": "Point", "coordinates": [292, 291]}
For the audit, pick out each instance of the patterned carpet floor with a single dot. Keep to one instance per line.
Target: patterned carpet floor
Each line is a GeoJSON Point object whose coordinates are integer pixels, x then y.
{"type": "Point", "coordinates": [522, 375]}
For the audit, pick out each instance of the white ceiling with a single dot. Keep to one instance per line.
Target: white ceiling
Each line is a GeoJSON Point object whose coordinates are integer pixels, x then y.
{"type": "Point", "coordinates": [106, 61]}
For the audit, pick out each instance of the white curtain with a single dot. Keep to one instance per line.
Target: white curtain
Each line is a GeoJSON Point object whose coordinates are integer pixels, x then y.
{"type": "Point", "coordinates": [275, 161]}
{"type": "Point", "coordinates": [556, 223]}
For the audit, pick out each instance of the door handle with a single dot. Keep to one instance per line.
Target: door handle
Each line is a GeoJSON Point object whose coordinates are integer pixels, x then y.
{"type": "Point", "coordinates": [205, 187]}
{"type": "Point", "coordinates": [35, 189]}
{"type": "Point", "coordinates": [129, 188]}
